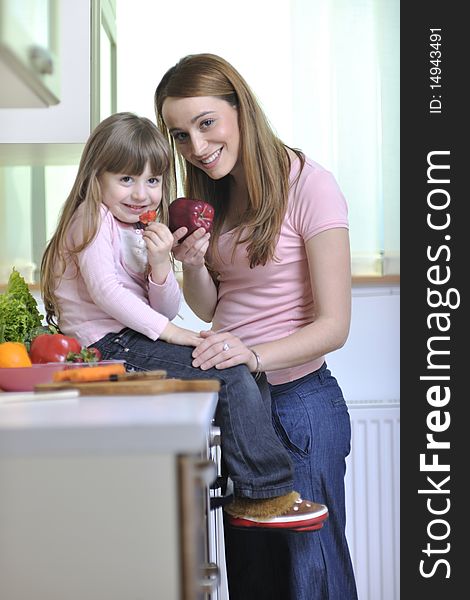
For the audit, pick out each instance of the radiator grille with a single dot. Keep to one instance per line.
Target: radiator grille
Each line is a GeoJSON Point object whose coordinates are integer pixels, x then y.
{"type": "Point", "coordinates": [372, 499]}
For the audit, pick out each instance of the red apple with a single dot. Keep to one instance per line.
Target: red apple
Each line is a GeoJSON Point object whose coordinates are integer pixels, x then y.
{"type": "Point", "coordinates": [186, 212]}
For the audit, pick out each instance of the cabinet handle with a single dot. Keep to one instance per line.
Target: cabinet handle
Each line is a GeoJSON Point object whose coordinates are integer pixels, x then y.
{"type": "Point", "coordinates": [41, 60]}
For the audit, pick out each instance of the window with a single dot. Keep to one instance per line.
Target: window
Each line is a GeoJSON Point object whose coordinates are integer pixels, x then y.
{"type": "Point", "coordinates": [346, 115]}
{"type": "Point", "coordinates": [325, 71]}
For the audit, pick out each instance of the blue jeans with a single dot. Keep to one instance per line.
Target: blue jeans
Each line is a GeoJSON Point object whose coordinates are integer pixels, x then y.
{"type": "Point", "coordinates": [311, 419]}
{"type": "Point", "coordinates": [261, 470]}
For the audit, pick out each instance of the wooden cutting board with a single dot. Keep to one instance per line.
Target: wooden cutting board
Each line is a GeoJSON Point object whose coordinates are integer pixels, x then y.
{"type": "Point", "coordinates": [133, 387]}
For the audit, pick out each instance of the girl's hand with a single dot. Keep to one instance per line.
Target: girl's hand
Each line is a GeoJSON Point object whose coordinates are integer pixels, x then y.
{"type": "Point", "coordinates": [222, 350]}
{"type": "Point", "coordinates": [159, 241]}
{"type": "Point", "coordinates": [192, 250]}
{"type": "Point", "coordinates": [182, 337]}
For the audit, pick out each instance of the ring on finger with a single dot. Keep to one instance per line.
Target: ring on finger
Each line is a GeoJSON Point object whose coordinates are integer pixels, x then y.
{"type": "Point", "coordinates": [225, 347]}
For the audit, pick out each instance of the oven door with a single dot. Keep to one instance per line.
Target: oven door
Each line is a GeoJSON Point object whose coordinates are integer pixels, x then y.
{"type": "Point", "coordinates": [216, 544]}
{"type": "Point", "coordinates": [202, 540]}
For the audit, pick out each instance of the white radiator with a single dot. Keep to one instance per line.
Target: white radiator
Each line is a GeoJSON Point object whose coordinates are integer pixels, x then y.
{"type": "Point", "coordinates": [372, 499]}
{"type": "Point", "coordinates": [372, 502]}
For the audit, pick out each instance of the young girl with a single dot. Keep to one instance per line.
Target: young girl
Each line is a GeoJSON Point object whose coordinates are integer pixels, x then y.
{"type": "Point", "coordinates": [109, 283]}
{"type": "Point", "coordinates": [274, 280]}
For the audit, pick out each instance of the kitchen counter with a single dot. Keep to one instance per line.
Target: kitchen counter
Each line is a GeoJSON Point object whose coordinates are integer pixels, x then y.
{"type": "Point", "coordinates": [92, 492]}
{"type": "Point", "coordinates": [169, 423]}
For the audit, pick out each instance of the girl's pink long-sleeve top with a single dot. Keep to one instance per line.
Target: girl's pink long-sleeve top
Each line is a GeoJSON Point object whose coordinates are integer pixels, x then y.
{"type": "Point", "coordinates": [110, 290]}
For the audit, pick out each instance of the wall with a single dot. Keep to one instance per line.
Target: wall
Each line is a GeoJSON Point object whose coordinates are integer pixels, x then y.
{"type": "Point", "coordinates": [368, 366]}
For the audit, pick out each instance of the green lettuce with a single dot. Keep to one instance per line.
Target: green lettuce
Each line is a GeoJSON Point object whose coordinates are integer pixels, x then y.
{"type": "Point", "coordinates": [19, 315]}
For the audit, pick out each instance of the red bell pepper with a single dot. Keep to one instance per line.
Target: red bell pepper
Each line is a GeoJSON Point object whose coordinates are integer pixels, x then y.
{"type": "Point", "coordinates": [53, 348]}
{"type": "Point", "coordinates": [186, 212]}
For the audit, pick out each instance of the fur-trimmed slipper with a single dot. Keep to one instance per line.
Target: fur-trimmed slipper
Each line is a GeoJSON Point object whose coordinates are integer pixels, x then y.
{"type": "Point", "coordinates": [289, 512]}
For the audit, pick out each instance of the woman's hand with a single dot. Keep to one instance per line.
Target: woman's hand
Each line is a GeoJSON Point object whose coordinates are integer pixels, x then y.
{"type": "Point", "coordinates": [222, 350]}
{"type": "Point", "coordinates": [192, 250]}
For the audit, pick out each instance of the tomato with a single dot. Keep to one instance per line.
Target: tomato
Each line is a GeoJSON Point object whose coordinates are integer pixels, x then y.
{"type": "Point", "coordinates": [53, 348]}
{"type": "Point", "coordinates": [14, 354]}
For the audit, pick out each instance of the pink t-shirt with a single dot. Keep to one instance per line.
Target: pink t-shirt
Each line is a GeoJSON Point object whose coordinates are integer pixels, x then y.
{"type": "Point", "coordinates": [273, 301]}
{"type": "Point", "coordinates": [112, 290]}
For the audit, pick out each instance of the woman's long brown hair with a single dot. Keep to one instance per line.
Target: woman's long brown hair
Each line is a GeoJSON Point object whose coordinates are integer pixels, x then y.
{"type": "Point", "coordinates": [122, 143]}
{"type": "Point", "coordinates": [264, 156]}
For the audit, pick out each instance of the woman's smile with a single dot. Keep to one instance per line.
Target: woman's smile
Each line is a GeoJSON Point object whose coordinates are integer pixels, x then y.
{"type": "Point", "coordinates": [211, 160]}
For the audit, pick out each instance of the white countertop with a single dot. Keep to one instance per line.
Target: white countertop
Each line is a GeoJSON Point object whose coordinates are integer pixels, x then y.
{"type": "Point", "coordinates": [164, 423]}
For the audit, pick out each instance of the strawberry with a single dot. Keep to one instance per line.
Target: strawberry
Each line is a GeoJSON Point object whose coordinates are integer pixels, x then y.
{"type": "Point", "coordinates": [148, 217]}
{"type": "Point", "coordinates": [87, 355]}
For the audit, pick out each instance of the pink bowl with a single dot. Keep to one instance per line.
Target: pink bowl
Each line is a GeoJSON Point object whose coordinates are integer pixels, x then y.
{"type": "Point", "coordinates": [23, 379]}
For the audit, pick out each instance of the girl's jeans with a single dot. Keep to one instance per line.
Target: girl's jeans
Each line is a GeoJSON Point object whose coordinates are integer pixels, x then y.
{"type": "Point", "coordinates": [311, 419]}
{"type": "Point", "coordinates": [255, 459]}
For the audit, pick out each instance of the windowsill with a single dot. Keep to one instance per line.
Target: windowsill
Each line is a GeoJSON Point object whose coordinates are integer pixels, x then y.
{"type": "Point", "coordinates": [356, 280]}
{"type": "Point", "coordinates": [376, 280]}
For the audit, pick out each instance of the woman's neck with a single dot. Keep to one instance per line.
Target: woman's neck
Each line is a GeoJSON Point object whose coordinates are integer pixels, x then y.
{"type": "Point", "coordinates": [238, 191]}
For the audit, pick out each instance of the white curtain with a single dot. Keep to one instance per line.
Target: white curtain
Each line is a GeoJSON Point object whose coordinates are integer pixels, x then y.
{"type": "Point", "coordinates": [346, 114]}
{"type": "Point", "coordinates": [325, 71]}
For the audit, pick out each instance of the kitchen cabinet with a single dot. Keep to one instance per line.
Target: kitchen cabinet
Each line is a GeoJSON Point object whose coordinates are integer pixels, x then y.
{"type": "Point", "coordinates": [29, 58]}
{"type": "Point", "coordinates": [92, 490]}
{"type": "Point", "coordinates": [55, 135]}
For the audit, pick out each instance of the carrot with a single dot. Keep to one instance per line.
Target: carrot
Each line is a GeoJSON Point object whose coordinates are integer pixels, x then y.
{"type": "Point", "coordinates": [83, 374]}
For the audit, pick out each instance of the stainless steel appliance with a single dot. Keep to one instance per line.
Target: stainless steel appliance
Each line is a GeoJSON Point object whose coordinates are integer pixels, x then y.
{"type": "Point", "coordinates": [202, 541]}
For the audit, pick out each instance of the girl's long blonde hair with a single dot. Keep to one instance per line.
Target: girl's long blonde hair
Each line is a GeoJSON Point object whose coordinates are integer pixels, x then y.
{"type": "Point", "coordinates": [264, 156]}
{"type": "Point", "coordinates": [122, 143]}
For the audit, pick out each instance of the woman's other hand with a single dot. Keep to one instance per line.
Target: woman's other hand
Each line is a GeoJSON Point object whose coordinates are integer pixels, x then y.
{"type": "Point", "coordinates": [199, 289]}
{"type": "Point", "coordinates": [222, 350]}
{"type": "Point", "coordinates": [192, 250]}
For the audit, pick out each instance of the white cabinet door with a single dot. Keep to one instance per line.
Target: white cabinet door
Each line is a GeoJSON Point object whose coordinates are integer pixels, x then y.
{"type": "Point", "coordinates": [56, 134]}
{"type": "Point", "coordinates": [89, 527]}
{"type": "Point", "coordinates": [68, 121]}
{"type": "Point", "coordinates": [29, 61]}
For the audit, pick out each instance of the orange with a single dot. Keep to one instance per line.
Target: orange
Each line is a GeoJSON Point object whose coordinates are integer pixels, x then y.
{"type": "Point", "coordinates": [14, 354]}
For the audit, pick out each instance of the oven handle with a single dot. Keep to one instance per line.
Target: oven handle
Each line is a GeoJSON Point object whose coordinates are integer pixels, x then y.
{"type": "Point", "coordinates": [214, 436]}
{"type": "Point", "coordinates": [219, 501]}
{"type": "Point", "coordinates": [210, 578]}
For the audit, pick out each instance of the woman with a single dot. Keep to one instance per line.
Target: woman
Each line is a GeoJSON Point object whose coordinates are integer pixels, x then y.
{"type": "Point", "coordinates": [274, 280]}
